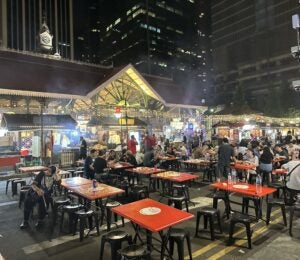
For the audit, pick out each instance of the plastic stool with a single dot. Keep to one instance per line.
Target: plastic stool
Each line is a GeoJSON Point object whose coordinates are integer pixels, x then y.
{"type": "Point", "coordinates": [208, 214]}
{"type": "Point", "coordinates": [115, 239]}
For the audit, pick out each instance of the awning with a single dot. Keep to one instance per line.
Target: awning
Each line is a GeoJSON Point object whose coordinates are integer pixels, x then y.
{"type": "Point", "coordinates": [16, 122]}
{"type": "Point", "coordinates": [113, 121]}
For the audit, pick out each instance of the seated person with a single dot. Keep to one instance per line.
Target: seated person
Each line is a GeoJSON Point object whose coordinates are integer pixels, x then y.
{"type": "Point", "coordinates": [40, 193]}
{"type": "Point", "coordinates": [112, 156]}
{"type": "Point", "coordinates": [99, 166]}
{"type": "Point", "coordinates": [88, 165]}
{"type": "Point", "coordinates": [130, 158]}
{"type": "Point", "coordinates": [279, 151]}
{"type": "Point", "coordinates": [140, 157]}
{"type": "Point", "coordinates": [149, 158]}
{"type": "Point", "coordinates": [293, 178]}
{"type": "Point", "coordinates": [252, 158]}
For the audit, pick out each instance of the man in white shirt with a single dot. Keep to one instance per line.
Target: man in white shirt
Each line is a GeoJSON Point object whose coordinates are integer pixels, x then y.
{"type": "Point", "coordinates": [293, 180]}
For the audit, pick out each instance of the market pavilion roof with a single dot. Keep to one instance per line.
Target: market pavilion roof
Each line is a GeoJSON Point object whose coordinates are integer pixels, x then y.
{"type": "Point", "coordinates": [38, 75]}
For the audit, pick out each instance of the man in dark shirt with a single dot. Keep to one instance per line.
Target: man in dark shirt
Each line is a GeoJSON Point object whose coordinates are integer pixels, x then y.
{"type": "Point", "coordinates": [88, 165]}
{"type": "Point", "coordinates": [225, 154]}
{"type": "Point", "coordinates": [100, 163]}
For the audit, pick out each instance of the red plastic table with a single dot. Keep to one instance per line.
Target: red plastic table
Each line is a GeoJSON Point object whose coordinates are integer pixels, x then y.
{"type": "Point", "coordinates": [246, 189]}
{"type": "Point", "coordinates": [164, 219]}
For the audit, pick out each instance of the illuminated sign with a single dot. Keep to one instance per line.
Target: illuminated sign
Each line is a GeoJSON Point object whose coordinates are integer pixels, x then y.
{"type": "Point", "coordinates": [130, 121]}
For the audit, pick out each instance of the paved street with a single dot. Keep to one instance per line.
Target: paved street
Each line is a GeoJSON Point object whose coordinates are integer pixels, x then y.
{"type": "Point", "coordinates": [269, 242]}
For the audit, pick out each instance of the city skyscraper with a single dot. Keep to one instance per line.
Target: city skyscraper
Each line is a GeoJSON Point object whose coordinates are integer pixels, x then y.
{"type": "Point", "coordinates": [251, 43]}
{"type": "Point", "coordinates": [22, 20]}
{"type": "Point", "coordinates": [164, 38]}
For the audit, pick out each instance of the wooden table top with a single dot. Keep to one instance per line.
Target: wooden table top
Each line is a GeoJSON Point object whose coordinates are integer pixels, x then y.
{"type": "Point", "coordinates": [75, 181]}
{"type": "Point", "coordinates": [167, 158]}
{"type": "Point", "coordinates": [33, 168]}
{"type": "Point", "coordinates": [165, 218]}
{"type": "Point", "coordinates": [145, 170]}
{"type": "Point", "coordinates": [101, 191]}
{"type": "Point", "coordinates": [243, 165]}
{"type": "Point", "coordinates": [280, 171]}
{"type": "Point", "coordinates": [176, 176]}
{"type": "Point", "coordinates": [244, 188]}
{"type": "Point", "coordinates": [199, 162]}
{"type": "Point", "coordinates": [120, 165]}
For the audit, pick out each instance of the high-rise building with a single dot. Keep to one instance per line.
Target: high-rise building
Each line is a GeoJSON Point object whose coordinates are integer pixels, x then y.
{"type": "Point", "coordinates": [251, 43]}
{"type": "Point", "coordinates": [86, 30]}
{"type": "Point", "coordinates": [164, 38]}
{"type": "Point", "coordinates": [21, 22]}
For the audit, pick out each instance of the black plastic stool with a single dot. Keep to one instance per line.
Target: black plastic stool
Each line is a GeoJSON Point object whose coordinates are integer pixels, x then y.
{"type": "Point", "coordinates": [178, 201]}
{"type": "Point", "coordinates": [70, 209]}
{"type": "Point", "coordinates": [23, 192]}
{"type": "Point", "coordinates": [134, 251]}
{"type": "Point", "coordinates": [243, 219]}
{"type": "Point", "coordinates": [221, 195]}
{"type": "Point", "coordinates": [14, 185]}
{"type": "Point", "coordinates": [178, 235]}
{"type": "Point", "coordinates": [208, 214]}
{"type": "Point", "coordinates": [10, 181]}
{"type": "Point", "coordinates": [276, 202]}
{"type": "Point", "coordinates": [256, 202]}
{"type": "Point", "coordinates": [82, 215]}
{"type": "Point", "coordinates": [139, 192]}
{"type": "Point", "coordinates": [108, 207]}
{"type": "Point", "coordinates": [58, 204]}
{"type": "Point", "coordinates": [293, 208]}
{"type": "Point", "coordinates": [115, 239]}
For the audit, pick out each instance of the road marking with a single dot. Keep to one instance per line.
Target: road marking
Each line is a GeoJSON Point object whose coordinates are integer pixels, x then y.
{"type": "Point", "coordinates": [255, 234]}
{"type": "Point", "coordinates": [8, 203]}
{"type": "Point", "coordinates": [214, 244]}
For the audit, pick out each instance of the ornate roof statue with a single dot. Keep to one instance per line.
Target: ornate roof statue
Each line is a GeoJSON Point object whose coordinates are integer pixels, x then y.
{"type": "Point", "coordinates": [45, 38]}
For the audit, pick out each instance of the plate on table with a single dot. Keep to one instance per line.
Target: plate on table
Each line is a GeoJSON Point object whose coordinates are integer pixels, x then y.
{"type": "Point", "coordinates": [150, 211]}
{"type": "Point", "coordinates": [240, 186]}
{"type": "Point", "coordinates": [172, 174]}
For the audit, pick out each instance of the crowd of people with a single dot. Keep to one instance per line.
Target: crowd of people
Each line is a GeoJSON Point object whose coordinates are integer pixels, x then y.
{"type": "Point", "coordinates": [97, 163]}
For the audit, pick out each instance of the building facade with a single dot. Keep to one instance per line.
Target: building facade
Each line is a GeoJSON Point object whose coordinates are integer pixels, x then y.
{"type": "Point", "coordinates": [22, 20]}
{"type": "Point", "coordinates": [164, 38]}
{"type": "Point", "coordinates": [251, 43]}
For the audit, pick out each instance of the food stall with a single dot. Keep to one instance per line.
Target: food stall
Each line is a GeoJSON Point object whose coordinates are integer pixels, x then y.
{"type": "Point", "coordinates": [112, 131]}
{"type": "Point", "coordinates": [32, 138]}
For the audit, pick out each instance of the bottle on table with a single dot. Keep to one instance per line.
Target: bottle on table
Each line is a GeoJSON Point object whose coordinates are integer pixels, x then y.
{"type": "Point", "coordinates": [233, 176]}
{"type": "Point", "coordinates": [229, 178]}
{"type": "Point", "coordinates": [258, 183]}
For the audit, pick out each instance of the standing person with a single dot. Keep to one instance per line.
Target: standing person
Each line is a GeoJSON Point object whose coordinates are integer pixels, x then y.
{"type": "Point", "coordinates": [88, 165]}
{"type": "Point", "coordinates": [131, 145]}
{"type": "Point", "coordinates": [83, 148]}
{"type": "Point", "coordinates": [147, 142]}
{"type": "Point", "coordinates": [225, 153]}
{"type": "Point", "coordinates": [40, 193]}
{"type": "Point", "coordinates": [99, 165]}
{"type": "Point", "coordinates": [288, 138]}
{"type": "Point", "coordinates": [266, 164]}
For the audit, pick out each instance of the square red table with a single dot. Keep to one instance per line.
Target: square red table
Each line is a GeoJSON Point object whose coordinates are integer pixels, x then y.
{"type": "Point", "coordinates": [243, 166]}
{"type": "Point", "coordinates": [176, 176]}
{"type": "Point", "coordinates": [244, 188]}
{"type": "Point", "coordinates": [145, 170]}
{"type": "Point", "coordinates": [167, 217]}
